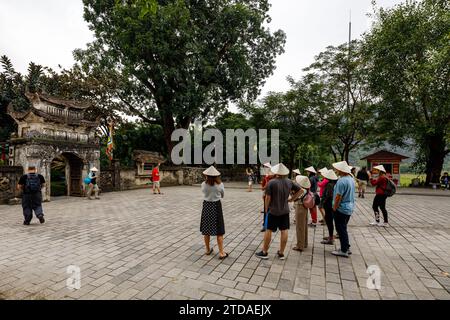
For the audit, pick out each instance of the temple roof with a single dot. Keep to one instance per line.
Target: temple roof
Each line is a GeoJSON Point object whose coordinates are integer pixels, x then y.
{"type": "Point", "coordinates": [384, 154]}
{"type": "Point", "coordinates": [36, 97]}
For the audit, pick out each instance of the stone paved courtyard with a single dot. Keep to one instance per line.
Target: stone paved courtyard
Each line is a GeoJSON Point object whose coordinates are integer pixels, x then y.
{"type": "Point", "coordinates": [135, 245]}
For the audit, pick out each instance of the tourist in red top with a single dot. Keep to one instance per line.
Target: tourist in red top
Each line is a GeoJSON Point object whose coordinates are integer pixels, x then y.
{"type": "Point", "coordinates": [322, 184]}
{"type": "Point", "coordinates": [379, 202]}
{"type": "Point", "coordinates": [156, 179]}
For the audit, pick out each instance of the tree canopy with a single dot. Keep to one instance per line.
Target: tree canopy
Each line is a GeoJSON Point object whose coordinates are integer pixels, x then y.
{"type": "Point", "coordinates": [185, 58]}
{"type": "Point", "coordinates": [409, 70]}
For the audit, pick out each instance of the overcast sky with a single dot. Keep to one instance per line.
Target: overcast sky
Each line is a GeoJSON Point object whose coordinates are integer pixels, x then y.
{"type": "Point", "coordinates": [47, 31]}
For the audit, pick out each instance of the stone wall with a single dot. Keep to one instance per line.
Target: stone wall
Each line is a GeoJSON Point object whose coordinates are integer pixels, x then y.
{"type": "Point", "coordinates": [170, 176]}
{"type": "Point", "coordinates": [9, 177]}
{"type": "Point", "coordinates": [192, 175]}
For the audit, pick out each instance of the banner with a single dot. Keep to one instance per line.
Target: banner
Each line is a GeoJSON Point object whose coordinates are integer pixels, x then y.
{"type": "Point", "coordinates": [110, 143]}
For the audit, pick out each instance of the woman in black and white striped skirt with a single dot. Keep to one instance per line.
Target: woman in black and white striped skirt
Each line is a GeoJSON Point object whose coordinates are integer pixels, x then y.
{"type": "Point", "coordinates": [212, 223]}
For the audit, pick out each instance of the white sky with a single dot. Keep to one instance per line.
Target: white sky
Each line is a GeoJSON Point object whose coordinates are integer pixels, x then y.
{"type": "Point", "coordinates": [47, 31]}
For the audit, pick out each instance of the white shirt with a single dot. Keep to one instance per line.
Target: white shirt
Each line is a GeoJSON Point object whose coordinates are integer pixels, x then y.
{"type": "Point", "coordinates": [213, 193]}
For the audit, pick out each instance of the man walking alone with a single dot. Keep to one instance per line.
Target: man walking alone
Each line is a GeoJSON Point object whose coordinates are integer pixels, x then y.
{"type": "Point", "coordinates": [31, 184]}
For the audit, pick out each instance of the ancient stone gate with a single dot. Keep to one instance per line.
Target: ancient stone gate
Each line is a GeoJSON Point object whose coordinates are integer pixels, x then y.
{"type": "Point", "coordinates": [56, 128]}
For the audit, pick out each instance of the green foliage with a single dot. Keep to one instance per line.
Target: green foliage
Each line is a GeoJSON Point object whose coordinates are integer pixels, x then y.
{"type": "Point", "coordinates": [137, 136]}
{"type": "Point", "coordinates": [184, 59]}
{"type": "Point", "coordinates": [340, 97]}
{"type": "Point", "coordinates": [408, 53]}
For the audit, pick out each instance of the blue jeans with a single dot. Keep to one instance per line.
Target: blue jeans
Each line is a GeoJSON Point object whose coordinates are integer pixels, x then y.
{"type": "Point", "coordinates": [341, 221]}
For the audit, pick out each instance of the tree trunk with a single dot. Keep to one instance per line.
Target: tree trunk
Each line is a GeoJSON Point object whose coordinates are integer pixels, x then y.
{"type": "Point", "coordinates": [291, 159]}
{"type": "Point", "coordinates": [168, 128]}
{"type": "Point", "coordinates": [346, 153]}
{"type": "Point", "coordinates": [435, 158]}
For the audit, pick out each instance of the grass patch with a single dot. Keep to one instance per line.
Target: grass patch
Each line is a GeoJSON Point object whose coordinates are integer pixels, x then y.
{"type": "Point", "coordinates": [406, 178]}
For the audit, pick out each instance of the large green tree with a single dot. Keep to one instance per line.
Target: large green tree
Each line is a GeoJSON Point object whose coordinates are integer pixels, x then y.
{"type": "Point", "coordinates": [340, 97]}
{"type": "Point", "coordinates": [409, 53]}
{"type": "Point", "coordinates": [180, 60]}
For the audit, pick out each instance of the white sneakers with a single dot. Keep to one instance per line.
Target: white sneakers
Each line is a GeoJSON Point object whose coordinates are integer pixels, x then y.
{"type": "Point", "coordinates": [379, 224]}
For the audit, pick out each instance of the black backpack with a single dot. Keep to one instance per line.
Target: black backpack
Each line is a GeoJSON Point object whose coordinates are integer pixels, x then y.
{"type": "Point", "coordinates": [390, 188]}
{"type": "Point", "coordinates": [33, 183]}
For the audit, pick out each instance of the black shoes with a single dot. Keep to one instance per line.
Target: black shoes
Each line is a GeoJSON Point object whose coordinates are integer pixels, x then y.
{"type": "Point", "coordinates": [26, 223]}
{"type": "Point", "coordinates": [262, 255]}
{"type": "Point", "coordinates": [41, 219]}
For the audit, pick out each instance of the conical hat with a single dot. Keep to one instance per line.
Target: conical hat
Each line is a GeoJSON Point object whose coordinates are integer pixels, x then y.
{"type": "Point", "coordinates": [267, 165]}
{"type": "Point", "coordinates": [311, 169]}
{"type": "Point", "coordinates": [342, 166]}
{"type": "Point", "coordinates": [303, 181]}
{"type": "Point", "coordinates": [297, 171]}
{"type": "Point", "coordinates": [321, 171]}
{"type": "Point", "coordinates": [212, 172]}
{"type": "Point", "coordinates": [330, 175]}
{"type": "Point", "coordinates": [381, 168]}
{"type": "Point", "coordinates": [94, 169]}
{"type": "Point", "coordinates": [280, 169]}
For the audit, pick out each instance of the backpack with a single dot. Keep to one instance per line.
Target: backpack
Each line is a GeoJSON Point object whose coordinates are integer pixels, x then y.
{"type": "Point", "coordinates": [308, 200]}
{"type": "Point", "coordinates": [391, 188]}
{"type": "Point", "coordinates": [33, 183]}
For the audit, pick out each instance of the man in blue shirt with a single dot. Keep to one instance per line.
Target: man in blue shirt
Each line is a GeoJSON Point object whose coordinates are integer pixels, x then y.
{"type": "Point", "coordinates": [343, 205]}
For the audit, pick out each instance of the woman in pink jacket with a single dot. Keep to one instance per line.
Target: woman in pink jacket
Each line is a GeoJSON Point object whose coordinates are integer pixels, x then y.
{"type": "Point", "coordinates": [322, 184]}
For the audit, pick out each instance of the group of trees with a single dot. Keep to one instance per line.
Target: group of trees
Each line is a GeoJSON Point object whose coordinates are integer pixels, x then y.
{"type": "Point", "coordinates": [170, 62]}
{"type": "Point", "coordinates": [391, 86]}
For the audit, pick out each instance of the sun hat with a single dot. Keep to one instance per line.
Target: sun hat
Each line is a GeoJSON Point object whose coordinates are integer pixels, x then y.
{"type": "Point", "coordinates": [343, 167]}
{"type": "Point", "coordinates": [212, 172]}
{"type": "Point", "coordinates": [94, 169]}
{"type": "Point", "coordinates": [324, 169]}
{"type": "Point", "coordinates": [267, 165]}
{"type": "Point", "coordinates": [381, 168]}
{"type": "Point", "coordinates": [303, 181]}
{"type": "Point", "coordinates": [330, 175]}
{"type": "Point", "coordinates": [280, 169]}
{"type": "Point", "coordinates": [297, 171]}
{"type": "Point", "coordinates": [311, 169]}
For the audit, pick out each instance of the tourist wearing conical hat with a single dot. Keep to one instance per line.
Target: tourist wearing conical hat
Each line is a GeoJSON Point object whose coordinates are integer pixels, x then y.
{"type": "Point", "coordinates": [267, 177]}
{"type": "Point", "coordinates": [301, 213]}
{"type": "Point", "coordinates": [327, 202]}
{"type": "Point", "coordinates": [212, 223]}
{"type": "Point", "coordinates": [93, 187]}
{"type": "Point", "coordinates": [277, 194]}
{"type": "Point", "coordinates": [314, 180]}
{"type": "Point", "coordinates": [379, 202]}
{"type": "Point", "coordinates": [343, 205]}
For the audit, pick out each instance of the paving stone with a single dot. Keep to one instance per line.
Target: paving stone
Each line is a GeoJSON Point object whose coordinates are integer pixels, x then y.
{"type": "Point", "coordinates": [124, 256]}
